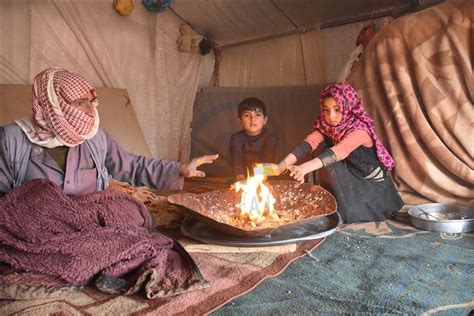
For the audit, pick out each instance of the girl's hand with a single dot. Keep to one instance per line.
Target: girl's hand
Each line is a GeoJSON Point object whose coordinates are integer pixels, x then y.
{"type": "Point", "coordinates": [189, 169]}
{"type": "Point", "coordinates": [282, 166]}
{"type": "Point", "coordinates": [287, 162]}
{"type": "Point", "coordinates": [298, 172]}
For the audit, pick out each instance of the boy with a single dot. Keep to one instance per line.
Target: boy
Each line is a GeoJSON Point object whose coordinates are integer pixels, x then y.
{"type": "Point", "coordinates": [253, 144]}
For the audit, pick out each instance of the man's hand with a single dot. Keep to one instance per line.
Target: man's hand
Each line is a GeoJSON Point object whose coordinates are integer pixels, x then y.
{"type": "Point", "coordinates": [189, 168]}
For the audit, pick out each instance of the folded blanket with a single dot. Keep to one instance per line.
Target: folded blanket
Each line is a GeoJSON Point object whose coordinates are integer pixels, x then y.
{"type": "Point", "coordinates": [54, 241]}
{"type": "Point", "coordinates": [415, 78]}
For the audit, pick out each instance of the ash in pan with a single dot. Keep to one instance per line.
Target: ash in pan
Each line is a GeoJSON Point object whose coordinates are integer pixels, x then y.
{"type": "Point", "coordinates": [294, 202]}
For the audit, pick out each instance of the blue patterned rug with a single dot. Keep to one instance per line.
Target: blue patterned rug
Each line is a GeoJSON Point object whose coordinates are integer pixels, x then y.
{"type": "Point", "coordinates": [376, 268]}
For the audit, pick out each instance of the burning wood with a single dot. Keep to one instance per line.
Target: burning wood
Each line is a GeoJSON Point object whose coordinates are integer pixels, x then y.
{"type": "Point", "coordinates": [291, 203]}
{"type": "Point", "coordinates": [257, 200]}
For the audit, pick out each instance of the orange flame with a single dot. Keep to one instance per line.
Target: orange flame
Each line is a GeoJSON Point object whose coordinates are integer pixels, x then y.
{"type": "Point", "coordinates": [257, 200]}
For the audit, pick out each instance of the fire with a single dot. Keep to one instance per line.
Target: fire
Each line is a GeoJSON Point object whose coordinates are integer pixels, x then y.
{"type": "Point", "coordinates": [257, 200]}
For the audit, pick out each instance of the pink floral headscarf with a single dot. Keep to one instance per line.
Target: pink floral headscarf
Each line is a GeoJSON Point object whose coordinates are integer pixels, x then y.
{"type": "Point", "coordinates": [354, 118]}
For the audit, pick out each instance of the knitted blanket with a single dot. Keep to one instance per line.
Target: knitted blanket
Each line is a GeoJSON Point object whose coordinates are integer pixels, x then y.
{"type": "Point", "coordinates": [51, 243]}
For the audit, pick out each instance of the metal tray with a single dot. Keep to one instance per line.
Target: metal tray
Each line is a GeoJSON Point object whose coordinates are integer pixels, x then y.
{"type": "Point", "coordinates": [309, 230]}
{"type": "Point", "coordinates": [442, 217]}
{"type": "Point", "coordinates": [191, 206]}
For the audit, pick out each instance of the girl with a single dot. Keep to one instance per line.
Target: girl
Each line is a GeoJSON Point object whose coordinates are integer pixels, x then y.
{"type": "Point", "coordinates": [356, 164]}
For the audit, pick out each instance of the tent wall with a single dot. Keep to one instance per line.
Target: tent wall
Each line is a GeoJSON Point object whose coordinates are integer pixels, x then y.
{"type": "Point", "coordinates": [340, 41]}
{"type": "Point", "coordinates": [308, 58]}
{"type": "Point", "coordinates": [137, 53]}
{"type": "Point", "coordinates": [286, 61]}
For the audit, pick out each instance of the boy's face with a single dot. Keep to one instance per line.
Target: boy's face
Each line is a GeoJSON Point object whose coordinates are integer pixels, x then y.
{"type": "Point", "coordinates": [253, 121]}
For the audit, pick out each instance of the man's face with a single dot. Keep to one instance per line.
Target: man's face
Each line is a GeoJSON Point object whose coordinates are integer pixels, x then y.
{"type": "Point", "coordinates": [253, 121]}
{"type": "Point", "coordinates": [86, 104]}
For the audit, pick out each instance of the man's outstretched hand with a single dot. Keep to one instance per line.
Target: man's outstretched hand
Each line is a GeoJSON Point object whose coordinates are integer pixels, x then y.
{"type": "Point", "coordinates": [189, 168]}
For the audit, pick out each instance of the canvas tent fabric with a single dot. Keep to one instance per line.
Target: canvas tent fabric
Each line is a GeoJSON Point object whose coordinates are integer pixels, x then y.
{"type": "Point", "coordinates": [137, 53]}
{"type": "Point", "coordinates": [288, 61]}
{"type": "Point", "coordinates": [229, 22]}
{"type": "Point", "coordinates": [416, 79]}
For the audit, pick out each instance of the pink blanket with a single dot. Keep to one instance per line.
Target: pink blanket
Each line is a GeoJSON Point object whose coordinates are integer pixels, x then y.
{"type": "Point", "coordinates": [50, 240]}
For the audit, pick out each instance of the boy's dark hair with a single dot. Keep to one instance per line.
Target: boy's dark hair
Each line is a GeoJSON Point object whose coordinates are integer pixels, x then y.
{"type": "Point", "coordinates": [251, 104]}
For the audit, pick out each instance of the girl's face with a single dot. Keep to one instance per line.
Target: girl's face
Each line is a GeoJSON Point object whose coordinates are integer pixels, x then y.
{"type": "Point", "coordinates": [330, 111]}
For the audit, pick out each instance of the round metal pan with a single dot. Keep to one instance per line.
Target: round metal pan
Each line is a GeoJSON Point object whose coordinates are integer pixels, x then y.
{"type": "Point", "coordinates": [309, 230]}
{"type": "Point", "coordinates": [442, 217]}
{"type": "Point", "coordinates": [191, 206]}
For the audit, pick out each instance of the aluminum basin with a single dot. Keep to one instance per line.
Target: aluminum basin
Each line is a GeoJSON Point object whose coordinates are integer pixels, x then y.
{"type": "Point", "coordinates": [442, 217]}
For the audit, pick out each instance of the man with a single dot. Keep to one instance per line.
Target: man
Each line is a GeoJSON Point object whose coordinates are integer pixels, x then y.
{"type": "Point", "coordinates": [62, 142]}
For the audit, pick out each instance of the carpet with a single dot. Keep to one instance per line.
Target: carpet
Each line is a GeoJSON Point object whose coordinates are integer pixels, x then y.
{"type": "Point", "coordinates": [229, 275]}
{"type": "Point", "coordinates": [374, 268]}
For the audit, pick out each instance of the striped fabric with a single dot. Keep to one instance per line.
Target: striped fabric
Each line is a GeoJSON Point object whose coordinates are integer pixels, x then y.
{"type": "Point", "coordinates": [376, 175]}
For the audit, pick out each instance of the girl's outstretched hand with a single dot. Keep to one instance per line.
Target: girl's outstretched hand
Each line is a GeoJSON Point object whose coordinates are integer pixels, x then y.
{"type": "Point", "coordinates": [189, 168]}
{"type": "Point", "coordinates": [282, 167]}
{"type": "Point", "coordinates": [298, 172]}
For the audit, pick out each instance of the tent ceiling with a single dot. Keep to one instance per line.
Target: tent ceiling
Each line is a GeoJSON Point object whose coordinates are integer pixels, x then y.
{"type": "Point", "coordinates": [228, 22]}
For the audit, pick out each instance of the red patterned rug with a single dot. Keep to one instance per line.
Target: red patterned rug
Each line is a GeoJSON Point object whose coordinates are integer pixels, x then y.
{"type": "Point", "coordinates": [230, 275]}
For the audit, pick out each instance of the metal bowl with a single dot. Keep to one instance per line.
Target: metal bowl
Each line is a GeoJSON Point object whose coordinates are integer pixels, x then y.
{"type": "Point", "coordinates": [317, 228]}
{"type": "Point", "coordinates": [442, 217]}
